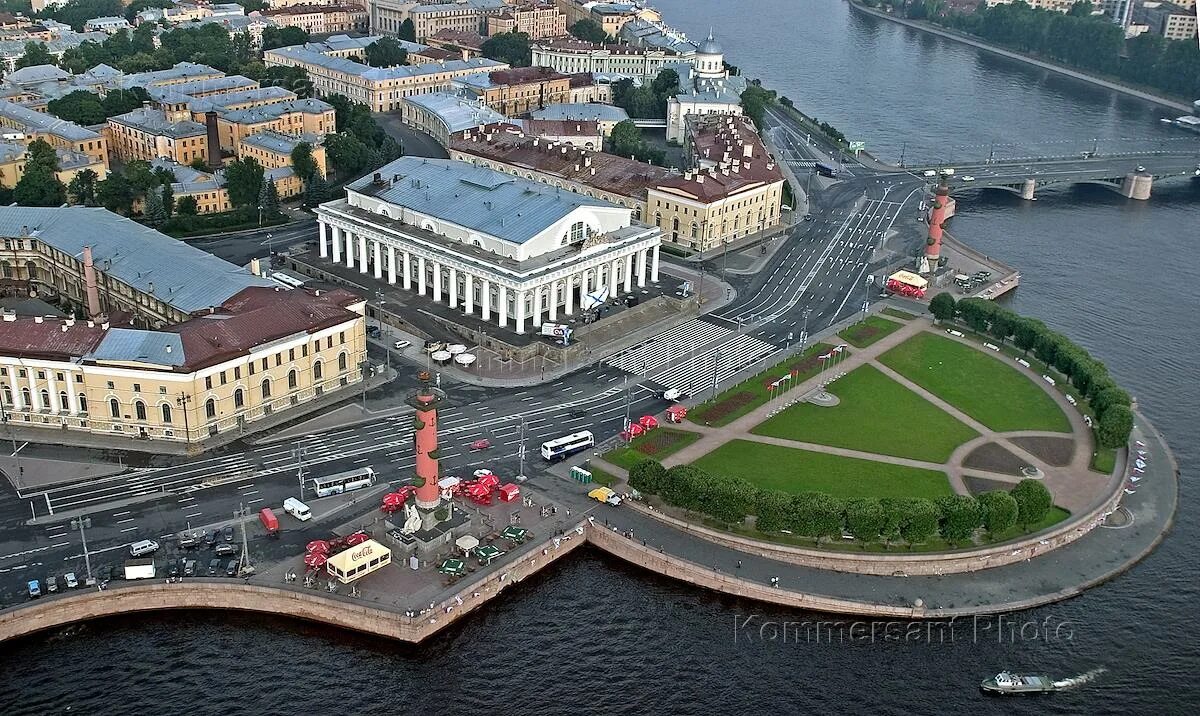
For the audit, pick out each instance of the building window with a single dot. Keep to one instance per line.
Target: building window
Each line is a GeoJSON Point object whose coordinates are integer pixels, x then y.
{"type": "Point", "coordinates": [291, 354]}
{"type": "Point", "coordinates": [114, 408]}
{"type": "Point", "coordinates": [82, 403]}
{"type": "Point", "coordinates": [166, 413]}
{"type": "Point", "coordinates": [342, 362]}
{"type": "Point", "coordinates": [251, 367]}
{"type": "Point", "coordinates": [222, 377]}
{"type": "Point", "coordinates": [239, 398]}
{"type": "Point", "coordinates": [292, 380]}
{"type": "Point", "coordinates": [316, 371]}
{"type": "Point", "coordinates": [210, 408]}
{"type": "Point", "coordinates": [266, 388]}
{"type": "Point", "coordinates": [237, 373]}
{"type": "Point", "coordinates": [7, 395]}
{"type": "Point", "coordinates": [137, 387]}
{"type": "Point", "coordinates": [208, 383]}
{"type": "Point", "coordinates": [45, 399]}
{"type": "Point", "coordinates": [139, 409]}
{"type": "Point", "coordinates": [64, 403]}
{"type": "Point", "coordinates": [278, 359]}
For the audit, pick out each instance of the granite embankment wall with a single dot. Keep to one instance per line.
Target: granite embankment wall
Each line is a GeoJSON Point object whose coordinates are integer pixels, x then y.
{"type": "Point", "coordinates": [310, 605]}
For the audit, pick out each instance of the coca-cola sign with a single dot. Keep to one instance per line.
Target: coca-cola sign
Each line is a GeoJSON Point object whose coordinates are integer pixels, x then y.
{"type": "Point", "coordinates": [361, 553]}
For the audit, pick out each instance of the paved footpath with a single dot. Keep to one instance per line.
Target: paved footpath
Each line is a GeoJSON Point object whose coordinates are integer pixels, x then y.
{"type": "Point", "coordinates": [1042, 578]}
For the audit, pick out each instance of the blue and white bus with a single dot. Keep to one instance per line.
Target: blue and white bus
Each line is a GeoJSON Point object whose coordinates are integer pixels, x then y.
{"type": "Point", "coordinates": [825, 170]}
{"type": "Point", "coordinates": [560, 448]}
{"type": "Point", "coordinates": [343, 482]}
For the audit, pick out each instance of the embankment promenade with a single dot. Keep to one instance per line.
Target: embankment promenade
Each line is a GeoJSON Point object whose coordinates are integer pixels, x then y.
{"type": "Point", "coordinates": [1036, 62]}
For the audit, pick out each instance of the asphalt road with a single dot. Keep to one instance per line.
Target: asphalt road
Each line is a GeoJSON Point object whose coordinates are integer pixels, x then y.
{"type": "Point", "coordinates": [816, 276]}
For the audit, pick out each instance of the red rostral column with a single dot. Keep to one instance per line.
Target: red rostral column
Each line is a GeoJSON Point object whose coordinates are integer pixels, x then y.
{"type": "Point", "coordinates": [426, 403]}
{"type": "Point", "coordinates": [933, 246]}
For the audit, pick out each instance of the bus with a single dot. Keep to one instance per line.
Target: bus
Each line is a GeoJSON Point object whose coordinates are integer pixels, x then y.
{"type": "Point", "coordinates": [343, 482]}
{"type": "Point", "coordinates": [825, 170]}
{"type": "Point", "coordinates": [562, 447]}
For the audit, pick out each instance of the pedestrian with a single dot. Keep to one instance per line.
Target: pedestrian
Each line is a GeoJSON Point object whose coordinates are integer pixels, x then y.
{"type": "Point", "coordinates": [643, 543]}
{"type": "Point", "coordinates": [739, 564]}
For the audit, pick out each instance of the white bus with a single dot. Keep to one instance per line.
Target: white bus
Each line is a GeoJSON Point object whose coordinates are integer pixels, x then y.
{"type": "Point", "coordinates": [562, 447]}
{"type": "Point", "coordinates": [343, 482]}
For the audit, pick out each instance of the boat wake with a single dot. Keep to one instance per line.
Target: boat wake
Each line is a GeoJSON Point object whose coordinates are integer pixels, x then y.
{"type": "Point", "coordinates": [1081, 679]}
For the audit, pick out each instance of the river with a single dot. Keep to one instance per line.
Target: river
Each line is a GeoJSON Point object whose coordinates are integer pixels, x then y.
{"type": "Point", "coordinates": [595, 636]}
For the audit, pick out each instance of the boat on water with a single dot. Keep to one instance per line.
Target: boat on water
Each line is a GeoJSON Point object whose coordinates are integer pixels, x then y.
{"type": "Point", "coordinates": [1007, 682]}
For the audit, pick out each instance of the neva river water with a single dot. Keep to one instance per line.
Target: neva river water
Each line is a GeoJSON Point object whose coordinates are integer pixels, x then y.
{"type": "Point", "coordinates": [596, 637]}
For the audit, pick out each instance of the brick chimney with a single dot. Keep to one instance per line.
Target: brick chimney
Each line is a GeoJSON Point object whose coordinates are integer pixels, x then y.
{"type": "Point", "coordinates": [89, 278]}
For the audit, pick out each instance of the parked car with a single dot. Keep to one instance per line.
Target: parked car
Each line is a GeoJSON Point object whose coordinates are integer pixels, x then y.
{"type": "Point", "coordinates": [968, 177]}
{"type": "Point", "coordinates": [105, 572]}
{"type": "Point", "coordinates": [189, 541]}
{"type": "Point", "coordinates": [226, 549]}
{"type": "Point", "coordinates": [373, 331]}
{"type": "Point", "coordinates": [1141, 168]}
{"type": "Point", "coordinates": [189, 568]}
{"type": "Point", "coordinates": [228, 533]}
{"type": "Point", "coordinates": [210, 538]}
{"type": "Point", "coordinates": [401, 345]}
{"type": "Point", "coordinates": [173, 568]}
{"type": "Point", "coordinates": [51, 584]}
{"type": "Point", "coordinates": [231, 569]}
{"type": "Point", "coordinates": [214, 566]}
{"type": "Point", "coordinates": [72, 582]}
{"type": "Point", "coordinates": [35, 589]}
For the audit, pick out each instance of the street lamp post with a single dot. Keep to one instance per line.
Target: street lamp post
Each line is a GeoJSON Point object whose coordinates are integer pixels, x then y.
{"type": "Point", "coordinates": [716, 364]}
{"type": "Point", "coordinates": [270, 249]}
{"type": "Point", "coordinates": [260, 211]}
{"type": "Point", "coordinates": [299, 452]}
{"type": "Point", "coordinates": [182, 402]}
{"type": "Point", "coordinates": [804, 333]}
{"type": "Point", "coordinates": [81, 523]}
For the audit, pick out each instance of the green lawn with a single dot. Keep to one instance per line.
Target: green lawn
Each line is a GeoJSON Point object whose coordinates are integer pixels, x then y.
{"type": "Point", "coordinates": [793, 470]}
{"type": "Point", "coordinates": [657, 443]}
{"type": "Point", "coordinates": [869, 330]}
{"type": "Point", "coordinates": [876, 414]}
{"type": "Point", "coordinates": [752, 392]}
{"type": "Point", "coordinates": [897, 313]}
{"type": "Point", "coordinates": [1104, 460]}
{"type": "Point", "coordinates": [976, 383]}
{"type": "Point", "coordinates": [601, 477]}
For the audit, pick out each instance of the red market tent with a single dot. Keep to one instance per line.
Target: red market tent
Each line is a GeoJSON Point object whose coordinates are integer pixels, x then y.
{"type": "Point", "coordinates": [635, 429]}
{"type": "Point", "coordinates": [676, 413]}
{"type": "Point", "coordinates": [317, 546]}
{"type": "Point", "coordinates": [509, 492]}
{"type": "Point", "coordinates": [357, 538]}
{"type": "Point", "coordinates": [315, 559]}
{"type": "Point", "coordinates": [648, 422]}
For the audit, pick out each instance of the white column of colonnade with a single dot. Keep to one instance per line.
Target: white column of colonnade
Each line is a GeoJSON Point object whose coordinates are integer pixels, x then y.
{"type": "Point", "coordinates": [453, 287]}
{"type": "Point", "coordinates": [377, 257]}
{"type": "Point", "coordinates": [324, 238]}
{"type": "Point", "coordinates": [362, 253]}
{"type": "Point", "coordinates": [391, 264]}
{"type": "Point", "coordinates": [336, 239]}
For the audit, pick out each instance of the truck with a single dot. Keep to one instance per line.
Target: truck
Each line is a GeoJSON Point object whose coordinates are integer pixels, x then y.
{"type": "Point", "coordinates": [139, 569]}
{"type": "Point", "coordinates": [270, 521]}
{"type": "Point", "coordinates": [605, 495]}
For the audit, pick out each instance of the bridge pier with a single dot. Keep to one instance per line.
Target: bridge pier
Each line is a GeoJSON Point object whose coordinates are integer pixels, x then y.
{"type": "Point", "coordinates": [1137, 186]}
{"type": "Point", "coordinates": [1028, 188]}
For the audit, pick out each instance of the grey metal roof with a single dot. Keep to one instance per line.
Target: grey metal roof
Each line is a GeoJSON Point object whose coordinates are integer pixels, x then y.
{"type": "Point", "coordinates": [276, 142]}
{"type": "Point", "coordinates": [46, 123]}
{"type": "Point", "coordinates": [129, 344]}
{"type": "Point", "coordinates": [222, 101]}
{"type": "Point", "coordinates": [581, 110]}
{"type": "Point", "coordinates": [180, 71]}
{"type": "Point", "coordinates": [36, 73]}
{"type": "Point", "coordinates": [458, 6]}
{"type": "Point", "coordinates": [457, 113]}
{"type": "Point", "coordinates": [300, 53]}
{"type": "Point", "coordinates": [271, 111]}
{"type": "Point", "coordinates": [155, 121]}
{"type": "Point", "coordinates": [487, 201]}
{"type": "Point", "coordinates": [187, 278]}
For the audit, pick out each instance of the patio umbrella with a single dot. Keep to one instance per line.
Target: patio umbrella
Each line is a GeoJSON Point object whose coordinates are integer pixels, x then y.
{"type": "Point", "coordinates": [636, 430]}
{"type": "Point", "coordinates": [394, 500]}
{"type": "Point", "coordinates": [315, 559]}
{"type": "Point", "coordinates": [648, 421]}
{"type": "Point", "coordinates": [357, 538]}
{"type": "Point", "coordinates": [317, 546]}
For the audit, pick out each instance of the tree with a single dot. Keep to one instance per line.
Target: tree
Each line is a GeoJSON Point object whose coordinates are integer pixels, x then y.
{"type": "Point", "coordinates": [920, 520]}
{"type": "Point", "coordinates": [35, 54]}
{"type": "Point", "coordinates": [626, 139]}
{"type": "Point", "coordinates": [408, 31]}
{"type": "Point", "coordinates": [303, 162]}
{"type": "Point", "coordinates": [1080, 9]}
{"type": "Point", "coordinates": [154, 214]}
{"type": "Point", "coordinates": [243, 178]}
{"type": "Point", "coordinates": [974, 313]}
{"type": "Point", "coordinates": [960, 515]}
{"type": "Point", "coordinates": [82, 187]}
{"type": "Point", "coordinates": [1109, 397]}
{"type": "Point", "coordinates": [588, 30]}
{"type": "Point", "coordinates": [817, 515]}
{"type": "Point", "coordinates": [942, 306]}
{"type": "Point", "coordinates": [268, 198]}
{"type": "Point", "coordinates": [115, 193]}
{"type": "Point", "coordinates": [316, 191]}
{"type": "Point", "coordinates": [1114, 426]}
{"type": "Point", "coordinates": [200, 164]}
{"type": "Point", "coordinates": [1033, 501]}
{"type": "Point", "coordinates": [1026, 332]}
{"type": "Point", "coordinates": [726, 498]}
{"type": "Point", "coordinates": [1002, 325]}
{"type": "Point", "coordinates": [647, 476]}
{"type": "Point", "coordinates": [894, 513]}
{"type": "Point", "coordinates": [864, 519]}
{"type": "Point", "coordinates": [186, 206]}
{"type": "Point", "coordinates": [998, 511]}
{"type": "Point", "coordinates": [773, 509]}
{"type": "Point", "coordinates": [510, 47]}
{"type": "Point", "coordinates": [39, 186]}
{"type": "Point", "coordinates": [273, 37]}
{"type": "Point", "coordinates": [80, 106]}
{"type": "Point", "coordinates": [666, 83]}
{"type": "Point", "coordinates": [77, 12]}
{"type": "Point", "coordinates": [386, 52]}
{"type": "Point", "coordinates": [755, 101]}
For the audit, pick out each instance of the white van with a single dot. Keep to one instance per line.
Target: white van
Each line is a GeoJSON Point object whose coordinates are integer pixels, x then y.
{"type": "Point", "coordinates": [297, 509]}
{"type": "Point", "coordinates": [947, 172]}
{"type": "Point", "coordinates": [143, 548]}
{"type": "Point", "coordinates": [928, 173]}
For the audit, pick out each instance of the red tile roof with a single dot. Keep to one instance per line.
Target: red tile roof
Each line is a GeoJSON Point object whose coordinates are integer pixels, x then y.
{"type": "Point", "coordinates": [259, 315]}
{"type": "Point", "coordinates": [47, 339]}
{"type": "Point", "coordinates": [524, 75]}
{"type": "Point", "coordinates": [561, 128]}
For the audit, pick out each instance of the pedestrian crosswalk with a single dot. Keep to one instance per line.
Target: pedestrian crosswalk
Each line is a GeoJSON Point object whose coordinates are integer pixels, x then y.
{"type": "Point", "coordinates": [667, 347]}
{"type": "Point", "coordinates": [687, 356]}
